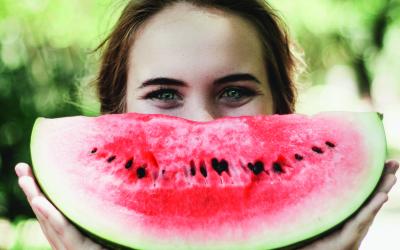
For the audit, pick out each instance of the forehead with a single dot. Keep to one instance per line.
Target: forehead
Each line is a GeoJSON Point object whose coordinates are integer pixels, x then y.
{"type": "Point", "coordinates": [184, 41]}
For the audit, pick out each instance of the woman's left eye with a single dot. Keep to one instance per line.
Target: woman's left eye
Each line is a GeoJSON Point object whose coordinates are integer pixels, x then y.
{"type": "Point", "coordinates": [236, 94]}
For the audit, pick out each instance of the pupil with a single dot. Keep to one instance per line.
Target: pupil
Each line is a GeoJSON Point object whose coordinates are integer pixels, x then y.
{"type": "Point", "coordinates": [233, 93]}
{"type": "Point", "coordinates": [167, 96]}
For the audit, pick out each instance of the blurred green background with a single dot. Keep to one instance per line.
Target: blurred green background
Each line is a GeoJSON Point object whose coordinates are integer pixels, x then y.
{"type": "Point", "coordinates": [351, 47]}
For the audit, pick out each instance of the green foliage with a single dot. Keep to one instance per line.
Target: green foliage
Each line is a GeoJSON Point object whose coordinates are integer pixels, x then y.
{"type": "Point", "coordinates": [44, 52]}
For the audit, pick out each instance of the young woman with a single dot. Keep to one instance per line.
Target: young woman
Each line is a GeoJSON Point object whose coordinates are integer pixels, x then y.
{"type": "Point", "coordinates": [200, 60]}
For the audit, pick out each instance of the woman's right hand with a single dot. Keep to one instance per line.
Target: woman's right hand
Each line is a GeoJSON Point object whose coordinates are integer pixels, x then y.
{"type": "Point", "coordinates": [58, 231]}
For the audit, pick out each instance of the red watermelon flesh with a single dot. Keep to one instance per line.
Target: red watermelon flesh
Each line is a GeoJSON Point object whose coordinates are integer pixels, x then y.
{"type": "Point", "coordinates": [161, 182]}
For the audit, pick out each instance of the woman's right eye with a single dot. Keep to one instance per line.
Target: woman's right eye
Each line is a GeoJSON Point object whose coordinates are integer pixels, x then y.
{"type": "Point", "coordinates": [165, 96]}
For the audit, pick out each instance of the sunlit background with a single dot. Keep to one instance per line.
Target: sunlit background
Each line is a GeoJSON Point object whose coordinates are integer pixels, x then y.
{"type": "Point", "coordinates": [351, 47]}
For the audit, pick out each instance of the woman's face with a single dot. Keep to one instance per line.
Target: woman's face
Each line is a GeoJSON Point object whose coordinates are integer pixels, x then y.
{"type": "Point", "coordinates": [199, 64]}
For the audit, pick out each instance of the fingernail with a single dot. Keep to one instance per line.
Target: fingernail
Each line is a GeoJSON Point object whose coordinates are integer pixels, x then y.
{"type": "Point", "coordinates": [18, 172]}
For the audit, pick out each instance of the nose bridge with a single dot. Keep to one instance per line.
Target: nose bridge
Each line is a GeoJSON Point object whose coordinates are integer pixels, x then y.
{"type": "Point", "coordinates": [201, 113]}
{"type": "Point", "coordinates": [200, 108]}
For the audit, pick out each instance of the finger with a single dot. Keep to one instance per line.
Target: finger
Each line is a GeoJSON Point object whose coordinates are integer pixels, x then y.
{"type": "Point", "coordinates": [355, 229]}
{"type": "Point", "coordinates": [388, 178]}
{"type": "Point", "coordinates": [384, 185]}
{"type": "Point", "coordinates": [23, 169]}
{"type": "Point", "coordinates": [28, 185]}
{"type": "Point", "coordinates": [391, 167]}
{"type": "Point", "coordinates": [69, 236]}
{"type": "Point", "coordinates": [366, 214]}
{"type": "Point", "coordinates": [50, 234]}
{"type": "Point", "coordinates": [387, 183]}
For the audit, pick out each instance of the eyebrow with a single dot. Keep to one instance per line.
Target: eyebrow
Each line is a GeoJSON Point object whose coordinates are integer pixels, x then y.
{"type": "Point", "coordinates": [236, 78]}
{"type": "Point", "coordinates": [223, 80]}
{"type": "Point", "coordinates": [162, 81]}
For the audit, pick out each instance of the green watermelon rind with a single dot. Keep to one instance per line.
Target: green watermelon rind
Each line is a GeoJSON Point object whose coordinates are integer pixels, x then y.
{"type": "Point", "coordinates": [370, 122]}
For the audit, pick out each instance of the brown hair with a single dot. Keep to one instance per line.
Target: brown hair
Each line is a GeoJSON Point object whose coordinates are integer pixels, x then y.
{"type": "Point", "coordinates": [281, 64]}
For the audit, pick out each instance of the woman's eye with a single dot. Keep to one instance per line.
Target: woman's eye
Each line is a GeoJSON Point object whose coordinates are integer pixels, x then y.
{"type": "Point", "coordinates": [167, 95]}
{"type": "Point", "coordinates": [165, 98]}
{"type": "Point", "coordinates": [236, 94]}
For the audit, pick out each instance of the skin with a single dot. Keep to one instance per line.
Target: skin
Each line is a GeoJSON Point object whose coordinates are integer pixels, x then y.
{"type": "Point", "coordinates": [194, 75]}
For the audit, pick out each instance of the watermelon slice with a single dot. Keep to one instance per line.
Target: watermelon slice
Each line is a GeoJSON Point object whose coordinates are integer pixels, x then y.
{"type": "Point", "coordinates": [253, 182]}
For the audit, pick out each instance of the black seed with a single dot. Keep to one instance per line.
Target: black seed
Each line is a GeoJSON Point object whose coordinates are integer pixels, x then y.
{"type": "Point", "coordinates": [94, 150]}
{"type": "Point", "coordinates": [219, 166]}
{"type": "Point", "coordinates": [330, 144]}
{"type": "Point", "coordinates": [223, 165]}
{"type": "Point", "coordinates": [141, 172]}
{"type": "Point", "coordinates": [192, 171]}
{"type": "Point", "coordinates": [111, 158]}
{"type": "Point", "coordinates": [277, 168]}
{"type": "Point", "coordinates": [215, 165]}
{"type": "Point", "coordinates": [317, 150]}
{"type": "Point", "coordinates": [203, 170]}
{"type": "Point", "coordinates": [163, 171]}
{"type": "Point", "coordinates": [258, 167]}
{"type": "Point", "coordinates": [298, 157]}
{"type": "Point", "coordinates": [192, 168]}
{"type": "Point", "coordinates": [129, 163]}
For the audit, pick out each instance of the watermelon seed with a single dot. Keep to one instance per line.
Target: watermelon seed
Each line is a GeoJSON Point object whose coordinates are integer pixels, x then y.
{"type": "Point", "coordinates": [223, 165]}
{"type": "Point", "coordinates": [256, 168]}
{"type": "Point", "coordinates": [94, 150]}
{"type": "Point", "coordinates": [215, 165]}
{"type": "Point", "coordinates": [330, 144]}
{"type": "Point", "coordinates": [317, 150]}
{"type": "Point", "coordinates": [129, 163]}
{"type": "Point", "coordinates": [298, 157]}
{"type": "Point", "coordinates": [141, 172]}
{"type": "Point", "coordinates": [163, 172]}
{"type": "Point", "coordinates": [219, 166]}
{"type": "Point", "coordinates": [250, 166]}
{"type": "Point", "coordinates": [111, 158]}
{"type": "Point", "coordinates": [192, 168]}
{"type": "Point", "coordinates": [203, 169]}
{"type": "Point", "coordinates": [277, 168]}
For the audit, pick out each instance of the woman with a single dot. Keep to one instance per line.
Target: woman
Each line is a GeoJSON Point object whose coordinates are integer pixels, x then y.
{"type": "Point", "coordinates": [199, 60]}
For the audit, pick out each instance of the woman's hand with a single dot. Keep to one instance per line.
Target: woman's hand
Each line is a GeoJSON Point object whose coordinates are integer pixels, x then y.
{"type": "Point", "coordinates": [349, 236]}
{"type": "Point", "coordinates": [58, 231]}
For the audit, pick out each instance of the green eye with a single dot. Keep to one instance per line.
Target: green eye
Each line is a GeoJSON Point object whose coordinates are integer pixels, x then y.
{"type": "Point", "coordinates": [166, 96]}
{"type": "Point", "coordinates": [236, 94]}
{"type": "Point", "coordinates": [232, 93]}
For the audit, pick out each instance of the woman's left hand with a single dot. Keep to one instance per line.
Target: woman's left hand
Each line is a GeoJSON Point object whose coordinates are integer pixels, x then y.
{"type": "Point", "coordinates": [349, 236]}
